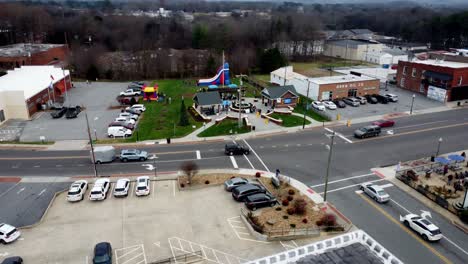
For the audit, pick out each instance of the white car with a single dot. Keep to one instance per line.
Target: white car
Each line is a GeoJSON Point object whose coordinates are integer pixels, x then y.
{"type": "Point", "coordinates": [121, 188]}
{"type": "Point", "coordinates": [392, 97]}
{"type": "Point", "coordinates": [375, 192]}
{"type": "Point", "coordinates": [330, 105]}
{"type": "Point", "coordinates": [128, 115]}
{"type": "Point", "coordinates": [99, 190]}
{"type": "Point", "coordinates": [77, 191]}
{"type": "Point", "coordinates": [8, 233]}
{"type": "Point", "coordinates": [422, 226]}
{"type": "Point", "coordinates": [130, 92]}
{"type": "Point", "coordinates": [125, 119]}
{"type": "Point", "coordinates": [118, 131]}
{"type": "Point", "coordinates": [138, 107]}
{"type": "Point", "coordinates": [318, 105]}
{"type": "Point", "coordinates": [142, 186]}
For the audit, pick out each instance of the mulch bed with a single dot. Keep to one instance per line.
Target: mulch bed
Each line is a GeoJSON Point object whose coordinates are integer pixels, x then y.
{"type": "Point", "coordinates": [209, 179]}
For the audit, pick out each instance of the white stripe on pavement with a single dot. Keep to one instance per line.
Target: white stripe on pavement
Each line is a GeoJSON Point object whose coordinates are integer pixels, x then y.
{"type": "Point", "coordinates": [350, 186]}
{"type": "Point", "coordinates": [338, 134]}
{"type": "Point", "coordinates": [198, 154]}
{"type": "Point", "coordinates": [386, 185]}
{"type": "Point", "coordinates": [261, 161]}
{"type": "Point", "coordinates": [245, 156]}
{"type": "Point", "coordinates": [234, 163]}
{"type": "Point", "coordinates": [345, 179]}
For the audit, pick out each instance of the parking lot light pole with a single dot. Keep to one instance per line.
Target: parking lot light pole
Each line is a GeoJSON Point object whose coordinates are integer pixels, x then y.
{"type": "Point", "coordinates": [438, 147]}
{"type": "Point", "coordinates": [154, 165]}
{"type": "Point", "coordinates": [328, 166]}
{"type": "Point", "coordinates": [305, 105]}
{"type": "Point", "coordinates": [412, 102]}
{"type": "Point", "coordinates": [92, 145]}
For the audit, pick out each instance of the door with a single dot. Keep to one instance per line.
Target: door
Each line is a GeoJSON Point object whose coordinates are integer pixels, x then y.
{"type": "Point", "coordinates": [352, 92]}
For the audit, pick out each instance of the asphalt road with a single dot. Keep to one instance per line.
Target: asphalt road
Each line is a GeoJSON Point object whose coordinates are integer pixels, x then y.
{"type": "Point", "coordinates": [302, 155]}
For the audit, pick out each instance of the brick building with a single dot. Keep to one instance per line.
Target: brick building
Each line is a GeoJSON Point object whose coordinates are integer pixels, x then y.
{"type": "Point", "coordinates": [440, 80]}
{"type": "Point", "coordinates": [17, 55]}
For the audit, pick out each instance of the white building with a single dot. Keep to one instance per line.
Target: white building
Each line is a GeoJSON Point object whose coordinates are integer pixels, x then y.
{"type": "Point", "coordinates": [25, 90]}
{"type": "Point", "coordinates": [386, 56]}
{"type": "Point", "coordinates": [351, 49]}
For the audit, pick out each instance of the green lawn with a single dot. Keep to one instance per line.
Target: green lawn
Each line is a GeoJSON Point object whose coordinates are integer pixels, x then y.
{"type": "Point", "coordinates": [224, 128]}
{"type": "Point", "coordinates": [290, 120]}
{"type": "Point", "coordinates": [300, 109]}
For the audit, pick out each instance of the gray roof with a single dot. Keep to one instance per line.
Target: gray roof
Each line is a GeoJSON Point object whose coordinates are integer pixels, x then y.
{"type": "Point", "coordinates": [351, 43]}
{"type": "Point", "coordinates": [207, 98]}
{"type": "Point", "coordinates": [394, 52]}
{"type": "Point", "coordinates": [22, 49]}
{"type": "Point", "coordinates": [274, 92]}
{"type": "Point", "coordinates": [354, 253]}
{"type": "Point", "coordinates": [359, 31]}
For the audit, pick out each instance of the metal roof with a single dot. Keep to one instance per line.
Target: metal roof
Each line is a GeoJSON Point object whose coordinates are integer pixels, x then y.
{"type": "Point", "coordinates": [351, 43]}
{"type": "Point", "coordinates": [274, 92]}
{"type": "Point", "coordinates": [207, 98]}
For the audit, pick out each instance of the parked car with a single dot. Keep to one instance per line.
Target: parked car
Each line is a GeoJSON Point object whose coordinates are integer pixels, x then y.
{"type": "Point", "coordinates": [129, 115]}
{"type": "Point", "coordinates": [351, 101]}
{"type": "Point", "coordinates": [103, 154]}
{"type": "Point", "coordinates": [241, 192]}
{"type": "Point", "coordinates": [384, 123]}
{"type": "Point", "coordinates": [381, 99]}
{"type": "Point", "coordinates": [125, 119]}
{"type": "Point", "coordinates": [121, 188]}
{"type": "Point", "coordinates": [102, 253]}
{"type": "Point", "coordinates": [77, 191]}
{"type": "Point", "coordinates": [59, 112]}
{"type": "Point", "coordinates": [133, 111]}
{"type": "Point", "coordinates": [339, 103]}
{"type": "Point", "coordinates": [367, 131]}
{"type": "Point", "coordinates": [142, 186]}
{"type": "Point", "coordinates": [133, 154]}
{"type": "Point", "coordinates": [362, 99]}
{"type": "Point", "coordinates": [235, 149]}
{"type": "Point", "coordinates": [127, 125]}
{"type": "Point", "coordinates": [330, 105]}
{"type": "Point", "coordinates": [259, 200]}
{"type": "Point", "coordinates": [130, 92]}
{"type": "Point", "coordinates": [72, 112]}
{"type": "Point", "coordinates": [318, 105]}
{"type": "Point", "coordinates": [139, 107]}
{"type": "Point", "coordinates": [99, 190]}
{"type": "Point", "coordinates": [118, 132]}
{"type": "Point", "coordinates": [392, 97]}
{"type": "Point", "coordinates": [371, 99]}
{"type": "Point", "coordinates": [8, 233]}
{"type": "Point", "coordinates": [375, 192]}
{"type": "Point", "coordinates": [234, 182]}
{"type": "Point", "coordinates": [422, 226]}
{"type": "Point", "coordinates": [13, 260]}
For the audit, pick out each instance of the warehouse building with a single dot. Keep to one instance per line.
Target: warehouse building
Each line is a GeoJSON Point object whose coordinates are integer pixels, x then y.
{"type": "Point", "coordinates": [352, 49]}
{"type": "Point", "coordinates": [29, 89]}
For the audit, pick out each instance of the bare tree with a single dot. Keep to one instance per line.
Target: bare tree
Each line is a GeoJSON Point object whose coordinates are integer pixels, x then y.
{"type": "Point", "coordinates": [190, 169]}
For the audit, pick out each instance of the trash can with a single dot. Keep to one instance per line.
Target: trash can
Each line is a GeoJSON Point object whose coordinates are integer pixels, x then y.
{"type": "Point", "coordinates": [168, 140]}
{"type": "Point", "coordinates": [458, 103]}
{"type": "Point", "coordinates": [253, 128]}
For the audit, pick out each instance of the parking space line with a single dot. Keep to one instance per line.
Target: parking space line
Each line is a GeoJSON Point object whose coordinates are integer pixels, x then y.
{"type": "Point", "coordinates": [292, 241]}
{"type": "Point", "coordinates": [198, 154]}
{"type": "Point", "coordinates": [153, 191]}
{"type": "Point", "coordinates": [234, 163]}
{"type": "Point", "coordinates": [131, 251]}
{"type": "Point", "coordinates": [173, 188]}
{"type": "Point", "coordinates": [254, 152]}
{"type": "Point", "coordinates": [130, 189]}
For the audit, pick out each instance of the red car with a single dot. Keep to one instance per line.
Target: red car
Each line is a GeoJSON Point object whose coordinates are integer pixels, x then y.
{"type": "Point", "coordinates": [384, 123]}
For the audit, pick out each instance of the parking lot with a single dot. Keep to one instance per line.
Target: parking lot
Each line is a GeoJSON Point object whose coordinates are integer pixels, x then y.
{"type": "Point", "coordinates": [403, 105]}
{"type": "Point", "coordinates": [98, 99]}
{"type": "Point", "coordinates": [166, 223]}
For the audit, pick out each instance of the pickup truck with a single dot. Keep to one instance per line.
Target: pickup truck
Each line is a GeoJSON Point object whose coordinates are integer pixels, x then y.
{"type": "Point", "coordinates": [130, 92]}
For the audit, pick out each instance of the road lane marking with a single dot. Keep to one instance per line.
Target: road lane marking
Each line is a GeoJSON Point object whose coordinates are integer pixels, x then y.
{"type": "Point", "coordinates": [20, 190]}
{"type": "Point", "coordinates": [42, 192]}
{"type": "Point", "coordinates": [386, 185]}
{"type": "Point", "coordinates": [9, 189]}
{"type": "Point", "coordinates": [345, 179]}
{"type": "Point", "coordinates": [234, 163]}
{"type": "Point", "coordinates": [404, 228]}
{"type": "Point", "coordinates": [255, 153]}
{"type": "Point", "coordinates": [245, 156]}
{"type": "Point", "coordinates": [339, 135]}
{"type": "Point", "coordinates": [349, 186]}
{"type": "Point", "coordinates": [198, 154]}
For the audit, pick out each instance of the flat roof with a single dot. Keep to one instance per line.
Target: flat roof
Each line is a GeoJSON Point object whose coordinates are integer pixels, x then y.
{"type": "Point", "coordinates": [31, 79]}
{"type": "Point", "coordinates": [290, 74]}
{"type": "Point", "coordinates": [442, 63]}
{"type": "Point", "coordinates": [341, 79]}
{"type": "Point", "coordinates": [354, 253]}
{"type": "Point", "coordinates": [23, 49]}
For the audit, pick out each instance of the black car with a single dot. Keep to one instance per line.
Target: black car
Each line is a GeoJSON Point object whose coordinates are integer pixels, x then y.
{"type": "Point", "coordinates": [59, 113]}
{"type": "Point", "coordinates": [381, 99]}
{"type": "Point", "coordinates": [73, 112]}
{"type": "Point", "coordinates": [339, 103]}
{"type": "Point", "coordinates": [259, 200]}
{"type": "Point", "coordinates": [240, 193]}
{"type": "Point", "coordinates": [235, 149]}
{"type": "Point", "coordinates": [102, 253]}
{"type": "Point", "coordinates": [133, 111]}
{"type": "Point", "coordinates": [13, 260]}
{"type": "Point", "coordinates": [371, 99]}
{"type": "Point", "coordinates": [367, 131]}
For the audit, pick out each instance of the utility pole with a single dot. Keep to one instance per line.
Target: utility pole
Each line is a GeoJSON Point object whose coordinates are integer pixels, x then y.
{"type": "Point", "coordinates": [412, 102]}
{"type": "Point", "coordinates": [305, 104]}
{"type": "Point", "coordinates": [328, 166]}
{"type": "Point", "coordinates": [284, 83]}
{"type": "Point", "coordinates": [92, 146]}
{"type": "Point", "coordinates": [240, 95]}
{"type": "Point", "coordinates": [438, 147]}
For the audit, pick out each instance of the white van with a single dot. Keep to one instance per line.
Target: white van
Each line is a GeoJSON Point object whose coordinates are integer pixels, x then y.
{"type": "Point", "coordinates": [118, 131]}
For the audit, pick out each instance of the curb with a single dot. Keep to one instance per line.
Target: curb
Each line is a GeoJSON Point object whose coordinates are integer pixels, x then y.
{"type": "Point", "coordinates": [460, 226]}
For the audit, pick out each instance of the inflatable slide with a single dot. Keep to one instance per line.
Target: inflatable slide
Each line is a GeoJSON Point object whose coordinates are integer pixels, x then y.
{"type": "Point", "coordinates": [221, 78]}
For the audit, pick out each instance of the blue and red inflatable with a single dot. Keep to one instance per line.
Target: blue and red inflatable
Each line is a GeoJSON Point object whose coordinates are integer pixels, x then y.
{"type": "Point", "coordinates": [221, 78]}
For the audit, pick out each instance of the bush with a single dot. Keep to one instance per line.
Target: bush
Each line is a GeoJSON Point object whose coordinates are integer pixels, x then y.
{"type": "Point", "coordinates": [328, 220]}
{"type": "Point", "coordinates": [182, 185]}
{"type": "Point", "coordinates": [300, 206]}
{"type": "Point", "coordinates": [305, 221]}
{"type": "Point", "coordinates": [464, 216]}
{"type": "Point", "coordinates": [291, 211]}
{"type": "Point", "coordinates": [207, 182]}
{"type": "Point", "coordinates": [290, 198]}
{"type": "Point", "coordinates": [285, 202]}
{"type": "Point", "coordinates": [285, 217]}
{"type": "Point", "coordinates": [258, 175]}
{"type": "Point", "coordinates": [278, 209]}
{"type": "Point", "coordinates": [232, 177]}
{"type": "Point", "coordinates": [319, 222]}
{"type": "Point", "coordinates": [292, 225]}
{"type": "Point", "coordinates": [291, 192]}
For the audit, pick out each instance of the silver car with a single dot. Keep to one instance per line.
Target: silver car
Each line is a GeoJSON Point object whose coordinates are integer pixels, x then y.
{"type": "Point", "coordinates": [375, 192]}
{"type": "Point", "coordinates": [133, 154]}
{"type": "Point", "coordinates": [229, 185]}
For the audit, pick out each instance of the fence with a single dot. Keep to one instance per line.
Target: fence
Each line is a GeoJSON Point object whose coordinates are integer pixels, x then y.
{"type": "Point", "coordinates": [185, 258]}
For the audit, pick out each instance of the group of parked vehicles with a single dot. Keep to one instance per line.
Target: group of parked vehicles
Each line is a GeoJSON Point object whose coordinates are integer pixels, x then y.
{"type": "Point", "coordinates": [68, 112]}
{"type": "Point", "coordinates": [125, 123]}
{"type": "Point", "coordinates": [355, 101]}
{"type": "Point", "coordinates": [131, 94]}
{"type": "Point", "coordinates": [253, 194]}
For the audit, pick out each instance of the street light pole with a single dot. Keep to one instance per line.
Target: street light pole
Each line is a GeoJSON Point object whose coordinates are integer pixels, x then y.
{"type": "Point", "coordinates": [438, 147]}
{"type": "Point", "coordinates": [305, 105]}
{"type": "Point", "coordinates": [328, 166]}
{"type": "Point", "coordinates": [92, 146]}
{"type": "Point", "coordinates": [412, 102]}
{"type": "Point", "coordinates": [240, 95]}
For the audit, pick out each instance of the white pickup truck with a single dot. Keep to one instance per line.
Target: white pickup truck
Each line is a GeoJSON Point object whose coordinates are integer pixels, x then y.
{"type": "Point", "coordinates": [130, 92]}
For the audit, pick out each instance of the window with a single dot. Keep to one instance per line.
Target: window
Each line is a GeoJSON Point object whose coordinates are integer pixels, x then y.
{"type": "Point", "coordinates": [402, 82]}
{"type": "Point", "coordinates": [413, 73]}
{"type": "Point", "coordinates": [405, 68]}
{"type": "Point", "coordinates": [2, 116]}
{"type": "Point", "coordinates": [460, 80]}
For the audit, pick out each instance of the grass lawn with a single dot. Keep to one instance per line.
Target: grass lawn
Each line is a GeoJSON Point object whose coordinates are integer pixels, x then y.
{"type": "Point", "coordinates": [224, 128]}
{"type": "Point", "coordinates": [300, 109]}
{"type": "Point", "coordinates": [290, 120]}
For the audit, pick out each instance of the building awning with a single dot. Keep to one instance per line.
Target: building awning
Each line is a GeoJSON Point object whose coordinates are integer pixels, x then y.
{"type": "Point", "coordinates": [438, 75]}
